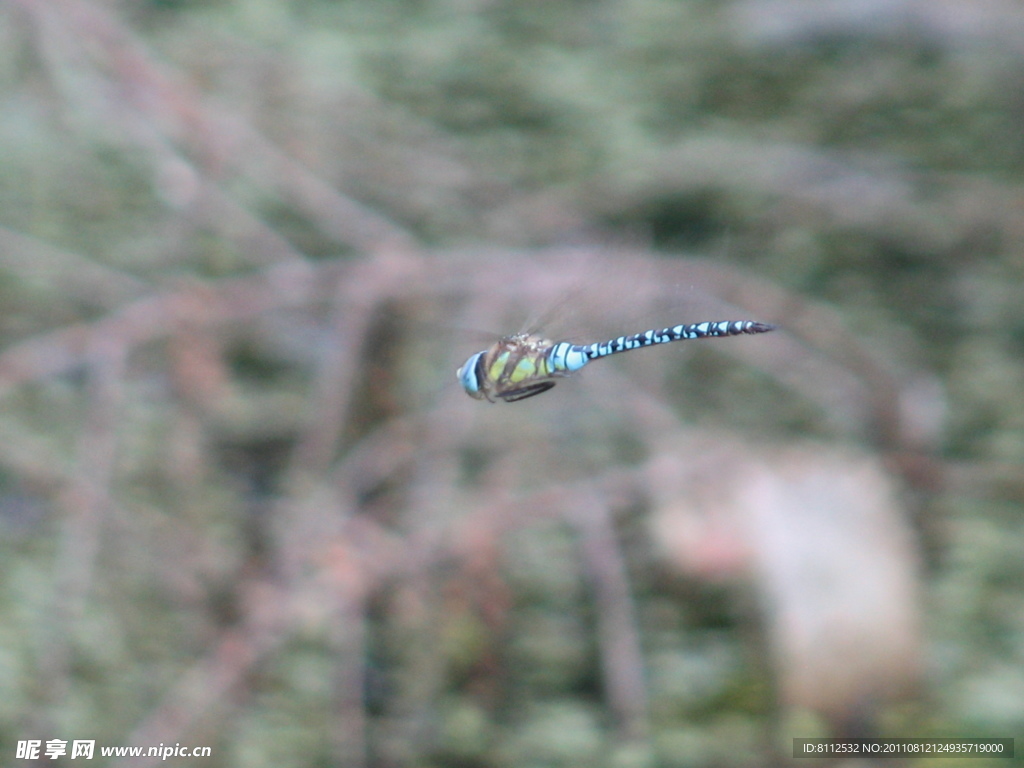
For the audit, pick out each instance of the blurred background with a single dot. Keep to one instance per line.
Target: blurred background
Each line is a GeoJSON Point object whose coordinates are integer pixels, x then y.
{"type": "Point", "coordinates": [244, 245]}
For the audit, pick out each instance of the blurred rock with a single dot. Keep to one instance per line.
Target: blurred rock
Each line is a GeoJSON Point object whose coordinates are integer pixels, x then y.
{"type": "Point", "coordinates": [821, 535]}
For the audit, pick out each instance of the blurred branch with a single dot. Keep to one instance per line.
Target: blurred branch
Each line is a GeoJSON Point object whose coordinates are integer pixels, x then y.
{"type": "Point", "coordinates": [156, 316]}
{"type": "Point", "coordinates": [75, 276]}
{"type": "Point", "coordinates": [157, 110]}
{"type": "Point", "coordinates": [883, 195]}
{"type": "Point", "coordinates": [355, 298]}
{"type": "Point", "coordinates": [86, 502]}
{"type": "Point", "coordinates": [617, 630]}
{"type": "Point", "coordinates": [947, 22]}
{"type": "Point", "coordinates": [214, 679]}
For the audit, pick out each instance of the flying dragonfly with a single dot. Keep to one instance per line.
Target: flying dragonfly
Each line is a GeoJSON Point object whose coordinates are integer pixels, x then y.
{"type": "Point", "coordinates": [524, 364]}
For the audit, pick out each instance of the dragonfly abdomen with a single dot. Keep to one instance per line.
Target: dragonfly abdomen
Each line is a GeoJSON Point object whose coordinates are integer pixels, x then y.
{"type": "Point", "coordinates": [674, 333]}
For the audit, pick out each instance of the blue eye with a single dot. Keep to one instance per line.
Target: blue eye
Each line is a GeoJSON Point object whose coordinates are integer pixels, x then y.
{"type": "Point", "coordinates": [467, 375]}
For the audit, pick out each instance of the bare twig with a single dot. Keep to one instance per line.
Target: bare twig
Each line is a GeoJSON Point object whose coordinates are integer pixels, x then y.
{"type": "Point", "coordinates": [617, 630]}
{"type": "Point", "coordinates": [86, 502]}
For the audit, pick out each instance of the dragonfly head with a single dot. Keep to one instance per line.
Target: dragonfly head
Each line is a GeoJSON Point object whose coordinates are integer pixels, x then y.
{"type": "Point", "coordinates": [469, 376]}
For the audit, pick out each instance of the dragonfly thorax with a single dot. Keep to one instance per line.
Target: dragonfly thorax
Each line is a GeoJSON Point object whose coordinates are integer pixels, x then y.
{"type": "Point", "coordinates": [517, 367]}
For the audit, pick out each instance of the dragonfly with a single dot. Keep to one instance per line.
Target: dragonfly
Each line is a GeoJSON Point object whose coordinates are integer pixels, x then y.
{"type": "Point", "coordinates": [524, 364]}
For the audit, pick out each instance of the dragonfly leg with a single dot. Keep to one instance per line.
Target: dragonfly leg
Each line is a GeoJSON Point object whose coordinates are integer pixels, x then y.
{"type": "Point", "coordinates": [525, 392]}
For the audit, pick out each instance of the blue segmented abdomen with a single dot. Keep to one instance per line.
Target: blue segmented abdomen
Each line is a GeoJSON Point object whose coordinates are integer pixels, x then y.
{"type": "Point", "coordinates": [571, 357]}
